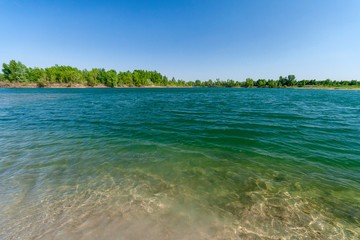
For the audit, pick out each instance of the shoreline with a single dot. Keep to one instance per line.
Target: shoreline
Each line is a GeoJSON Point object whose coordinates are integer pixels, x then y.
{"type": "Point", "coordinates": [18, 85]}
{"type": "Point", "coordinates": [76, 85]}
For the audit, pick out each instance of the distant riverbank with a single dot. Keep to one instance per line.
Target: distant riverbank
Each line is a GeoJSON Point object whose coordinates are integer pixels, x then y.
{"type": "Point", "coordinates": [7, 84]}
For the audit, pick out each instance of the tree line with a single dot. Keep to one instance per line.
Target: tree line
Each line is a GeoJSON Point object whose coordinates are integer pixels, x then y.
{"type": "Point", "coordinates": [15, 71]}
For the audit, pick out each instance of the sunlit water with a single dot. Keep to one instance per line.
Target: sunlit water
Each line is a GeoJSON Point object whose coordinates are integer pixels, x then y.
{"type": "Point", "coordinates": [196, 163]}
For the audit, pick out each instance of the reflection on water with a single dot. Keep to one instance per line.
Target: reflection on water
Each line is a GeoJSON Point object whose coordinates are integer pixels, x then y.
{"type": "Point", "coordinates": [112, 164]}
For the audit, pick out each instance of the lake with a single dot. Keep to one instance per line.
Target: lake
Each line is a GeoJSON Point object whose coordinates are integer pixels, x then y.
{"type": "Point", "coordinates": [179, 163]}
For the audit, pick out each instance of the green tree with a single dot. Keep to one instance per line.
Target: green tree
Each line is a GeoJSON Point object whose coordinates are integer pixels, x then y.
{"type": "Point", "coordinates": [230, 83]}
{"type": "Point", "coordinates": [101, 77]}
{"type": "Point", "coordinates": [209, 83]}
{"type": "Point", "coordinates": [181, 82]}
{"type": "Point", "coordinates": [156, 78]}
{"type": "Point", "coordinates": [173, 81]}
{"type": "Point", "coordinates": [136, 79]}
{"type": "Point", "coordinates": [282, 81]}
{"type": "Point", "coordinates": [127, 78]}
{"type": "Point", "coordinates": [36, 75]}
{"type": "Point", "coordinates": [165, 81]}
{"type": "Point", "coordinates": [190, 83]}
{"type": "Point", "coordinates": [353, 82]}
{"type": "Point", "coordinates": [291, 80]}
{"type": "Point", "coordinates": [249, 82]}
{"type": "Point", "coordinates": [271, 83]}
{"type": "Point", "coordinates": [14, 71]}
{"type": "Point", "coordinates": [261, 83]}
{"type": "Point", "coordinates": [92, 76]}
{"type": "Point", "coordinates": [303, 83]}
{"type": "Point", "coordinates": [111, 78]}
{"type": "Point", "coordinates": [328, 82]}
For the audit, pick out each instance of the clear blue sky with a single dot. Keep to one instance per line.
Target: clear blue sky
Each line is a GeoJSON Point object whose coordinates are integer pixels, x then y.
{"type": "Point", "coordinates": [188, 39]}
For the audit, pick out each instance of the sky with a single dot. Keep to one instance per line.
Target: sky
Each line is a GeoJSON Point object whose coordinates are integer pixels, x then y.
{"type": "Point", "coordinates": [189, 40]}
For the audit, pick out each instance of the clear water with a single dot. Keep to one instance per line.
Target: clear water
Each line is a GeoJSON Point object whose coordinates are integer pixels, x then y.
{"type": "Point", "coordinates": [198, 163]}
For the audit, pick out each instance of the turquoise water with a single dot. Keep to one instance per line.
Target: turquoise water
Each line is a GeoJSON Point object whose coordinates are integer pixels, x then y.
{"type": "Point", "coordinates": [198, 163]}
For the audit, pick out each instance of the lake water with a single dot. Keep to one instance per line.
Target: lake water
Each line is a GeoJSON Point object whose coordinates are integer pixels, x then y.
{"type": "Point", "coordinates": [194, 163]}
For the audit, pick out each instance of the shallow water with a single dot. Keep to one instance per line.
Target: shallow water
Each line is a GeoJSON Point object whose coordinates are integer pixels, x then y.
{"type": "Point", "coordinates": [199, 163]}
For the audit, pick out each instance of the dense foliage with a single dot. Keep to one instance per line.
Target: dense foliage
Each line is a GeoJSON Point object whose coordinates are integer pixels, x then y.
{"type": "Point", "coordinates": [18, 72]}
{"type": "Point", "coordinates": [282, 82]}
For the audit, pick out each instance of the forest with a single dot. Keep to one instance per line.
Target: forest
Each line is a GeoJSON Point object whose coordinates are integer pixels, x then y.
{"type": "Point", "coordinates": [16, 72]}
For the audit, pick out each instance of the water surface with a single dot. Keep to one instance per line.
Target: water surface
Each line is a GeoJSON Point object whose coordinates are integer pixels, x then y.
{"type": "Point", "coordinates": [199, 163]}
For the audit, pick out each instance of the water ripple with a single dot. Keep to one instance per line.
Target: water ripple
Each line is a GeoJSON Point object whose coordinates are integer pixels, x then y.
{"type": "Point", "coordinates": [196, 163]}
